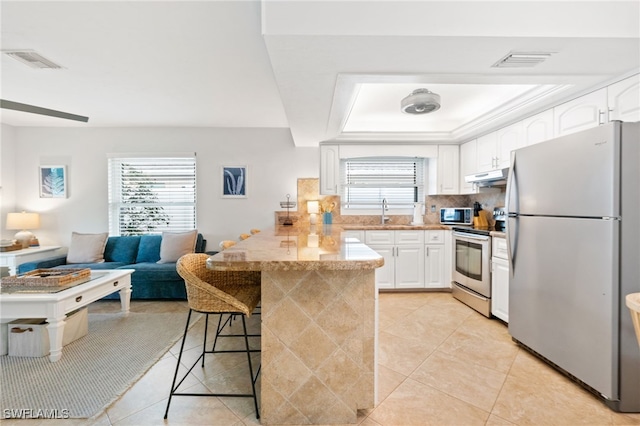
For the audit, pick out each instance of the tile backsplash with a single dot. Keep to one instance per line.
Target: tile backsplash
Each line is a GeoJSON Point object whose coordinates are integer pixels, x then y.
{"type": "Point", "coordinates": [308, 189]}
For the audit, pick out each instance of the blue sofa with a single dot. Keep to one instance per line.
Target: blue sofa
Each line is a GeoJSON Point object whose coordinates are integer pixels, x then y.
{"type": "Point", "coordinates": [151, 280]}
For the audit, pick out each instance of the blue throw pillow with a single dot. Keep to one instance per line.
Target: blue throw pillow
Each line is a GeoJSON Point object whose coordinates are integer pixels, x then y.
{"type": "Point", "coordinates": [122, 249]}
{"type": "Point", "coordinates": [149, 249]}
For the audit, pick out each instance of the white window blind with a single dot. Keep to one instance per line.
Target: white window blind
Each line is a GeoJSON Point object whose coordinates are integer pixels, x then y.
{"type": "Point", "coordinates": [149, 195]}
{"type": "Point", "coordinates": [367, 181]}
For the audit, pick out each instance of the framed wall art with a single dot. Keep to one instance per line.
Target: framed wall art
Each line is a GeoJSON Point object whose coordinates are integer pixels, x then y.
{"type": "Point", "coordinates": [234, 181]}
{"type": "Point", "coordinates": [53, 181]}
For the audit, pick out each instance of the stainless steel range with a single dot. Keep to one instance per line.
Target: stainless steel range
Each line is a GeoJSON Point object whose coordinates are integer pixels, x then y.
{"type": "Point", "coordinates": [472, 268]}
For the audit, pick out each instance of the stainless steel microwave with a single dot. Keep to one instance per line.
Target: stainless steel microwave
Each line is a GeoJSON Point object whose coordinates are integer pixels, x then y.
{"type": "Point", "coordinates": [456, 216]}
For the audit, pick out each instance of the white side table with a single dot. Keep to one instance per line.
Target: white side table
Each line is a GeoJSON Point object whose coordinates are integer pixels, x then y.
{"type": "Point", "coordinates": [13, 259]}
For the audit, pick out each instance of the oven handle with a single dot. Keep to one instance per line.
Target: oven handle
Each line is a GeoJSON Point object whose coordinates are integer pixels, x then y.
{"type": "Point", "coordinates": [471, 236]}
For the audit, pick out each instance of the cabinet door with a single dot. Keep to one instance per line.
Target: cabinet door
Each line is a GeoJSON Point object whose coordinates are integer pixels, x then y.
{"type": "Point", "coordinates": [500, 289]}
{"type": "Point", "coordinates": [434, 264]}
{"type": "Point", "coordinates": [448, 169]}
{"type": "Point", "coordinates": [624, 99]}
{"type": "Point", "coordinates": [385, 275]}
{"type": "Point", "coordinates": [468, 166]}
{"type": "Point", "coordinates": [509, 138]}
{"type": "Point", "coordinates": [329, 169]}
{"type": "Point", "coordinates": [487, 152]}
{"type": "Point", "coordinates": [537, 128]}
{"type": "Point", "coordinates": [409, 266]}
{"type": "Point", "coordinates": [582, 113]}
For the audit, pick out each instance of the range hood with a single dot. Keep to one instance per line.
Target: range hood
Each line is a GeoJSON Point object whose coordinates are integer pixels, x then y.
{"type": "Point", "coordinates": [496, 177]}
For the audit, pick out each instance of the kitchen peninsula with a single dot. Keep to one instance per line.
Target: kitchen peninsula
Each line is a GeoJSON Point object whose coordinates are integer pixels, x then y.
{"type": "Point", "coordinates": [319, 322]}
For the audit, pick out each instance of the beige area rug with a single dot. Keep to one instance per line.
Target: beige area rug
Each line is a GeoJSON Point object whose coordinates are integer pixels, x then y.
{"type": "Point", "coordinates": [95, 370]}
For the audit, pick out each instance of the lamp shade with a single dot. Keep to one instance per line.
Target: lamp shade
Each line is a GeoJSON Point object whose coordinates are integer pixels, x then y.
{"type": "Point", "coordinates": [313, 207]}
{"type": "Point", "coordinates": [23, 220]}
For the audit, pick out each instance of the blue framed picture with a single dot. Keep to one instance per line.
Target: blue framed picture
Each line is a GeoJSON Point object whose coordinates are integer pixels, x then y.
{"type": "Point", "coordinates": [53, 181]}
{"type": "Point", "coordinates": [234, 181]}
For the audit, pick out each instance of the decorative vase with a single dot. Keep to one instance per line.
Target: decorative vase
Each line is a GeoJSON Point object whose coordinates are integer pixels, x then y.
{"type": "Point", "coordinates": [327, 218]}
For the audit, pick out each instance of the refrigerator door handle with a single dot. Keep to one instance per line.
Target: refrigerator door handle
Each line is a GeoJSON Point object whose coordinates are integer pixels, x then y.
{"type": "Point", "coordinates": [511, 202]}
{"type": "Point", "coordinates": [512, 241]}
{"type": "Point", "coordinates": [512, 206]}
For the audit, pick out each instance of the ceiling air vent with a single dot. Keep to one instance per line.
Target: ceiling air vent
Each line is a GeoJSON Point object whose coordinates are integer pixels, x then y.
{"type": "Point", "coordinates": [522, 59]}
{"type": "Point", "coordinates": [32, 59]}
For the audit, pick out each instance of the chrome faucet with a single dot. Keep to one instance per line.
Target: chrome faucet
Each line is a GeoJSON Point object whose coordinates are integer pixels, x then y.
{"type": "Point", "coordinates": [385, 206]}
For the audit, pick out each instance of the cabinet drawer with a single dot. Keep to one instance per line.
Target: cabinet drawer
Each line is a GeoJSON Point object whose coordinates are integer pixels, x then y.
{"type": "Point", "coordinates": [409, 237]}
{"type": "Point", "coordinates": [499, 248]}
{"type": "Point", "coordinates": [434, 237]}
{"type": "Point", "coordinates": [379, 237]}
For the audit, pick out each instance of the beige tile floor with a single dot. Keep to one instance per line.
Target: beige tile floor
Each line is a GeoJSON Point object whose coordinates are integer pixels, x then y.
{"type": "Point", "coordinates": [440, 363]}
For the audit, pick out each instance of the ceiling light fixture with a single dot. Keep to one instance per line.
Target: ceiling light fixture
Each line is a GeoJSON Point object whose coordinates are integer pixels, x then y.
{"type": "Point", "coordinates": [421, 101]}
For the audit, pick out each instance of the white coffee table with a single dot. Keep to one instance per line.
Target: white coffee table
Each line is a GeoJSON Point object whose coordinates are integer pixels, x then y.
{"type": "Point", "coordinates": [55, 306]}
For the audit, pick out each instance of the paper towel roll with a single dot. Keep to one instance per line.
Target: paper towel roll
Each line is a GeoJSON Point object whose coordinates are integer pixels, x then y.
{"type": "Point", "coordinates": [418, 219]}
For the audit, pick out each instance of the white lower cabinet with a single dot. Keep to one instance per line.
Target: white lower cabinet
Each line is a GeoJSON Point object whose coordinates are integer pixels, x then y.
{"type": "Point", "coordinates": [500, 280]}
{"type": "Point", "coordinates": [409, 266]}
{"type": "Point", "coordinates": [403, 253]}
{"type": "Point", "coordinates": [413, 259]}
{"type": "Point", "coordinates": [434, 272]}
{"type": "Point", "coordinates": [435, 260]}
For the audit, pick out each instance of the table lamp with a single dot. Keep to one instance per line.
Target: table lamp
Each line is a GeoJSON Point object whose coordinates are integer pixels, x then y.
{"type": "Point", "coordinates": [23, 221]}
{"type": "Point", "coordinates": [313, 208]}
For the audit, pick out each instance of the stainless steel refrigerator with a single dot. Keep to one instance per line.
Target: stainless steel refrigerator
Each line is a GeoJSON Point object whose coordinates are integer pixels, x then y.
{"type": "Point", "coordinates": [573, 236]}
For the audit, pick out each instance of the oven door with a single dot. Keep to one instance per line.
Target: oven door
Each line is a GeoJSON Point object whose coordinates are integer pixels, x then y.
{"type": "Point", "coordinates": [473, 262]}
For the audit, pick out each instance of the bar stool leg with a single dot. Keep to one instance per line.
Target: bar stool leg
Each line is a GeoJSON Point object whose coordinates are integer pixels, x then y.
{"type": "Point", "coordinates": [253, 380]}
{"type": "Point", "coordinates": [175, 376]}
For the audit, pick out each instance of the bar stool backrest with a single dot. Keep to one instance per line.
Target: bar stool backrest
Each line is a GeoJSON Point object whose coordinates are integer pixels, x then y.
{"type": "Point", "coordinates": [633, 303]}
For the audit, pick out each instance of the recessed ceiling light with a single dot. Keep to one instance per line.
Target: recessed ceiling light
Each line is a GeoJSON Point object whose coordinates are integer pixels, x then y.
{"type": "Point", "coordinates": [32, 59]}
{"type": "Point", "coordinates": [522, 59]}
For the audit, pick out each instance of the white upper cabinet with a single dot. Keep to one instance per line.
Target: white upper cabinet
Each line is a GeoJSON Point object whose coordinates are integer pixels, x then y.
{"type": "Point", "coordinates": [582, 113]}
{"type": "Point", "coordinates": [537, 128]}
{"type": "Point", "coordinates": [329, 169]}
{"type": "Point", "coordinates": [508, 139]}
{"type": "Point", "coordinates": [487, 152]}
{"type": "Point", "coordinates": [624, 99]}
{"type": "Point", "coordinates": [468, 166]}
{"type": "Point", "coordinates": [444, 171]}
{"type": "Point", "coordinates": [448, 157]}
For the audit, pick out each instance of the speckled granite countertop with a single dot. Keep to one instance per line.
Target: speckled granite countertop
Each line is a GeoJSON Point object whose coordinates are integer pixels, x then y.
{"type": "Point", "coordinates": [297, 249]}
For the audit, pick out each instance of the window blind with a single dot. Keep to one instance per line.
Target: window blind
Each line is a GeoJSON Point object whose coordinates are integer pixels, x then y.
{"type": "Point", "coordinates": [149, 195]}
{"type": "Point", "coordinates": [365, 182]}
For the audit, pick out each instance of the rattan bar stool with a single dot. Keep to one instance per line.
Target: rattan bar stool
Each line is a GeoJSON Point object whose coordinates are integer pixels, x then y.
{"type": "Point", "coordinates": [633, 303]}
{"type": "Point", "coordinates": [244, 236]}
{"type": "Point", "coordinates": [217, 292]}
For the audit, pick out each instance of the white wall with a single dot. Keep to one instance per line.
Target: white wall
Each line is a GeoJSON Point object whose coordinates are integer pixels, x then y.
{"type": "Point", "coordinates": [274, 165]}
{"type": "Point", "coordinates": [7, 167]}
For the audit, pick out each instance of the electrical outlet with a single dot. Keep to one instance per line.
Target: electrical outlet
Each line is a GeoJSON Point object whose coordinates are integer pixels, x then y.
{"type": "Point", "coordinates": [433, 208]}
